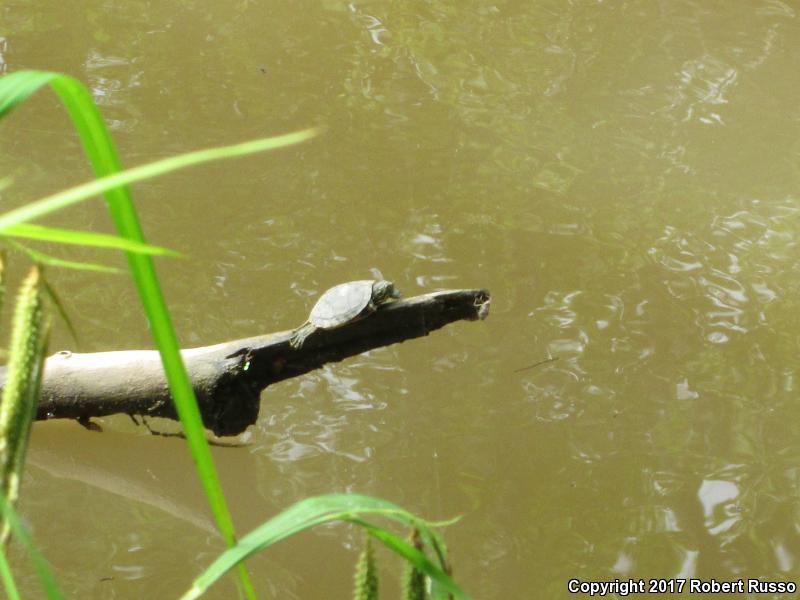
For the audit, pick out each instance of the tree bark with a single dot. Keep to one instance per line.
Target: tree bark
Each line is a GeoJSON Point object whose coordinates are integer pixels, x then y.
{"type": "Point", "coordinates": [228, 377]}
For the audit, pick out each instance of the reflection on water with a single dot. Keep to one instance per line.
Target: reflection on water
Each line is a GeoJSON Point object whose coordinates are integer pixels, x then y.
{"type": "Point", "coordinates": [622, 176]}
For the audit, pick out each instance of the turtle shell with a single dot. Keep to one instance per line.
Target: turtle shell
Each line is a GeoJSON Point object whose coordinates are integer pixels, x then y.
{"type": "Point", "coordinates": [341, 304]}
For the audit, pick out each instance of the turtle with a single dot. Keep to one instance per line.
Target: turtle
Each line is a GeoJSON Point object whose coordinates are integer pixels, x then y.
{"type": "Point", "coordinates": [343, 304]}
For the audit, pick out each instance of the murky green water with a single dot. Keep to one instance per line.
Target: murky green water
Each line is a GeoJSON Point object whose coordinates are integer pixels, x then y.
{"type": "Point", "coordinates": [623, 176]}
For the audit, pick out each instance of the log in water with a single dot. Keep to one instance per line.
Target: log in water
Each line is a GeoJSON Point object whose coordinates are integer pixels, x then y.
{"type": "Point", "coordinates": [229, 377]}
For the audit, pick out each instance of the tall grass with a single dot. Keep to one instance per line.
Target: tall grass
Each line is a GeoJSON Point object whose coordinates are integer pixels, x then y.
{"type": "Point", "coordinates": [21, 392]}
{"type": "Point", "coordinates": [99, 148]}
{"type": "Point", "coordinates": [111, 181]}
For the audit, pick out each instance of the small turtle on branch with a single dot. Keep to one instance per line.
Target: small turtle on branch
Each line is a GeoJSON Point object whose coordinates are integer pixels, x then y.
{"type": "Point", "coordinates": [343, 304]}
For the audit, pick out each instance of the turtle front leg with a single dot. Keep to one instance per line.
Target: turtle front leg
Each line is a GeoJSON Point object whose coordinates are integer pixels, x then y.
{"type": "Point", "coordinates": [300, 334]}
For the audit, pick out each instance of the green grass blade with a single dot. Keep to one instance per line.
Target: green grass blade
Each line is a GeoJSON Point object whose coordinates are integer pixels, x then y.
{"type": "Point", "coordinates": [84, 238]}
{"type": "Point", "coordinates": [55, 300]}
{"type": "Point", "coordinates": [47, 260]}
{"type": "Point", "coordinates": [109, 183]}
{"type": "Point", "coordinates": [40, 565]}
{"type": "Point", "coordinates": [3, 258]}
{"type": "Point", "coordinates": [7, 577]}
{"type": "Point", "coordinates": [16, 87]}
{"type": "Point", "coordinates": [52, 261]}
{"type": "Point", "coordinates": [315, 511]}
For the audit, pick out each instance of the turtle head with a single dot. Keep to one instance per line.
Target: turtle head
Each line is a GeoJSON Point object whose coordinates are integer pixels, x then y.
{"type": "Point", "coordinates": [383, 291]}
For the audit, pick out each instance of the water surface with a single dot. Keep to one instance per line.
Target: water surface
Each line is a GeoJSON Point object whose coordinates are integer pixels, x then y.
{"type": "Point", "coordinates": [623, 176]}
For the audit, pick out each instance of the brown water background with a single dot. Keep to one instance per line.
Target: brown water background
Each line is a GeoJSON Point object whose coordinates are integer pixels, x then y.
{"type": "Point", "coordinates": [622, 175]}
